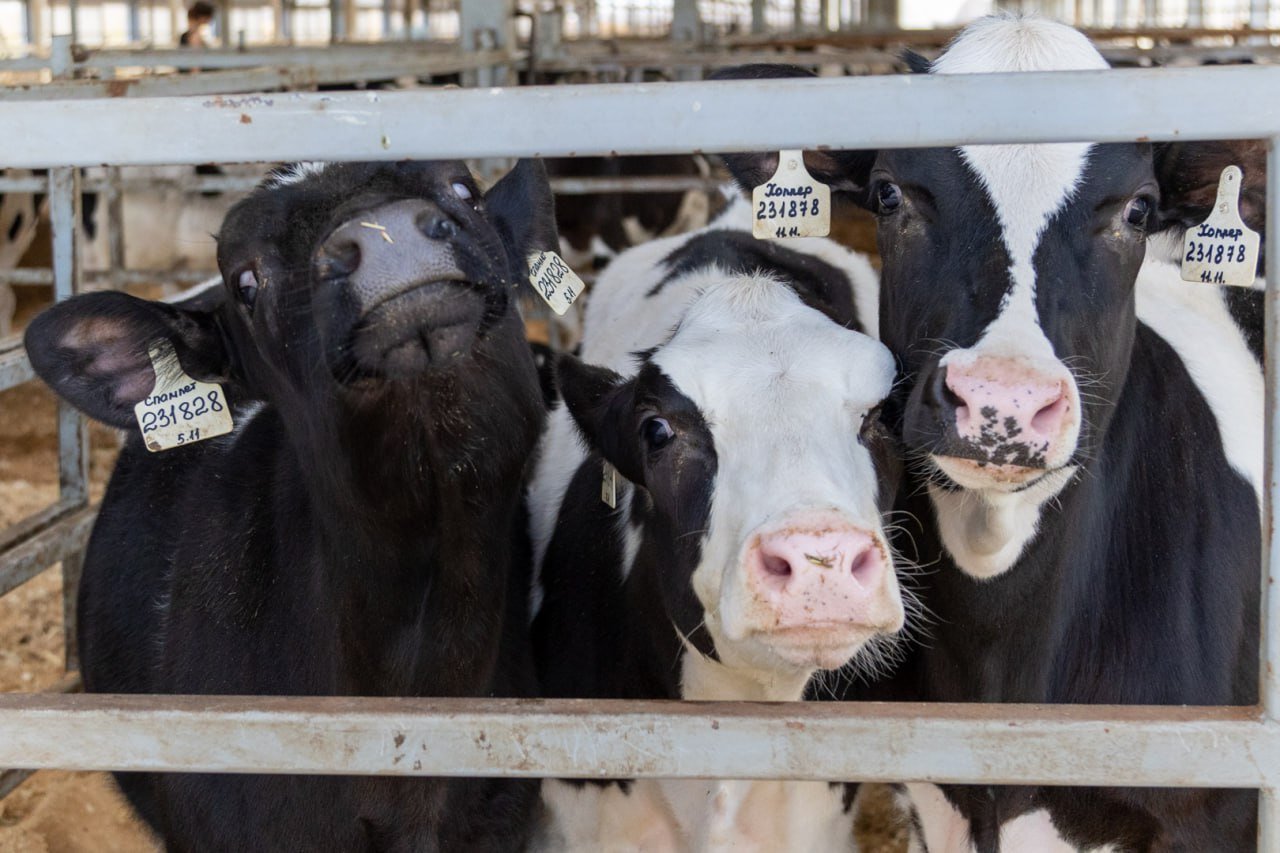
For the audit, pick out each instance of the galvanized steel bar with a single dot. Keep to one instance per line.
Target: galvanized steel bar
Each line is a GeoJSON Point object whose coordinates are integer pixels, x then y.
{"type": "Point", "coordinates": [73, 431]}
{"type": "Point", "coordinates": [869, 112]}
{"type": "Point", "coordinates": [54, 542]}
{"type": "Point", "coordinates": [15, 367]}
{"type": "Point", "coordinates": [1025, 744]}
{"type": "Point", "coordinates": [1269, 688]}
{"type": "Point", "coordinates": [1269, 819]}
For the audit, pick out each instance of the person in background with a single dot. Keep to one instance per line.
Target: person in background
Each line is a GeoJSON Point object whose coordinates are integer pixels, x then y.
{"type": "Point", "coordinates": [199, 16]}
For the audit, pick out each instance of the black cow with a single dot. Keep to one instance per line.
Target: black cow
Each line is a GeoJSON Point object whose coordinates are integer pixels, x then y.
{"type": "Point", "coordinates": [360, 532]}
{"type": "Point", "coordinates": [1088, 436]}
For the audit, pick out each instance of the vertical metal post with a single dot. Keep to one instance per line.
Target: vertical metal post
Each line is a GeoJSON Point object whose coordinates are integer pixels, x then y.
{"type": "Point", "coordinates": [337, 22]}
{"type": "Point", "coordinates": [226, 34]}
{"type": "Point", "coordinates": [135, 23]}
{"type": "Point", "coordinates": [388, 15]}
{"type": "Point", "coordinates": [408, 19]}
{"type": "Point", "coordinates": [115, 226]}
{"type": "Point", "coordinates": [686, 25]}
{"type": "Point", "coordinates": [61, 61]}
{"type": "Point", "coordinates": [1269, 679]}
{"type": "Point", "coordinates": [797, 15]}
{"type": "Point", "coordinates": [757, 17]}
{"type": "Point", "coordinates": [1195, 13]}
{"type": "Point", "coordinates": [73, 430]}
{"type": "Point", "coordinates": [73, 8]}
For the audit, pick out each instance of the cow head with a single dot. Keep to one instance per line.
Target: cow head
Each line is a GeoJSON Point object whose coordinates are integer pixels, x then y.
{"type": "Point", "coordinates": [753, 437]}
{"type": "Point", "coordinates": [1007, 288]}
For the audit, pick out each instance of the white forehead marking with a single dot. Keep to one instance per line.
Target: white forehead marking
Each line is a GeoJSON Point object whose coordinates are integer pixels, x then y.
{"type": "Point", "coordinates": [1027, 184]}
{"type": "Point", "coordinates": [294, 173]}
{"type": "Point", "coordinates": [742, 343]}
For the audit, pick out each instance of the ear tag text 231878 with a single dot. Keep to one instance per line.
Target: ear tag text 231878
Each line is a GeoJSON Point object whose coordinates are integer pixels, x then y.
{"type": "Point", "coordinates": [179, 410]}
{"type": "Point", "coordinates": [555, 282]}
{"type": "Point", "coordinates": [1222, 249]}
{"type": "Point", "coordinates": [791, 203]}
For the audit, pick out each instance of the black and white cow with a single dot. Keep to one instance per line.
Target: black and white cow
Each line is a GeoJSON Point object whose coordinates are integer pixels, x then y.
{"type": "Point", "coordinates": [722, 378]}
{"type": "Point", "coordinates": [1087, 440]}
{"type": "Point", "coordinates": [361, 531]}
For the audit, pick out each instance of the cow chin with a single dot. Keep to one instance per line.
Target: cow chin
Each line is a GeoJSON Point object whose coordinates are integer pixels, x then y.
{"type": "Point", "coordinates": [816, 646]}
{"type": "Point", "coordinates": [979, 476]}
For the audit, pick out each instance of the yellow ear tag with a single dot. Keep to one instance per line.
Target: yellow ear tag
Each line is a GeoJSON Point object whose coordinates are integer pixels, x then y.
{"type": "Point", "coordinates": [179, 410]}
{"type": "Point", "coordinates": [1222, 249]}
{"type": "Point", "coordinates": [609, 486]}
{"type": "Point", "coordinates": [555, 282]}
{"type": "Point", "coordinates": [791, 203]}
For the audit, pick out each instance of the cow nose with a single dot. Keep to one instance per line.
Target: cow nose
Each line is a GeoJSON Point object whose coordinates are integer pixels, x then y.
{"type": "Point", "coordinates": [390, 248]}
{"type": "Point", "coordinates": [1010, 412]}
{"type": "Point", "coordinates": [820, 576]}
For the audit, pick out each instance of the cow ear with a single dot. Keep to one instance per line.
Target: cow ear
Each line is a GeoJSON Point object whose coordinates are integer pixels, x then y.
{"type": "Point", "coordinates": [1188, 174]}
{"type": "Point", "coordinates": [93, 350]}
{"type": "Point", "coordinates": [600, 402]}
{"type": "Point", "coordinates": [524, 211]}
{"type": "Point", "coordinates": [846, 172]}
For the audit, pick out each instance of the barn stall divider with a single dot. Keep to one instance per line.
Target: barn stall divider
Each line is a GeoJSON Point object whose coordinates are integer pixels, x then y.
{"type": "Point", "coordinates": [1002, 744]}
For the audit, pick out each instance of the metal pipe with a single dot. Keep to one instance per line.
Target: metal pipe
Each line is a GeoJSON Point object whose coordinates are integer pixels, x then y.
{"type": "Point", "coordinates": [998, 744]}
{"type": "Point", "coordinates": [1269, 687]}
{"type": "Point", "coordinates": [73, 432]}
{"type": "Point", "coordinates": [659, 118]}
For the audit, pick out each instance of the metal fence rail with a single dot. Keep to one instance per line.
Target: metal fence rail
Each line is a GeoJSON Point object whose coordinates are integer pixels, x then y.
{"type": "Point", "coordinates": [1079, 745]}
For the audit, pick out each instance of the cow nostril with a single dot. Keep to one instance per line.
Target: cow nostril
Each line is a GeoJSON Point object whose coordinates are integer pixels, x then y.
{"type": "Point", "coordinates": [863, 563]}
{"type": "Point", "coordinates": [339, 257]}
{"type": "Point", "coordinates": [1047, 419]}
{"type": "Point", "coordinates": [776, 566]}
{"type": "Point", "coordinates": [437, 226]}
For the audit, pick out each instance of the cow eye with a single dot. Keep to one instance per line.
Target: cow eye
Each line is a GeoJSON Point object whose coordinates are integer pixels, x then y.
{"type": "Point", "coordinates": [1137, 211]}
{"type": "Point", "coordinates": [247, 288]}
{"type": "Point", "coordinates": [657, 433]}
{"type": "Point", "coordinates": [889, 197]}
{"type": "Point", "coordinates": [462, 191]}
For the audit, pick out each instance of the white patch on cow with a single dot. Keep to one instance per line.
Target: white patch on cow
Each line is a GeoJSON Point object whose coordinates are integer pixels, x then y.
{"type": "Point", "coordinates": [986, 527]}
{"type": "Point", "coordinates": [293, 173]}
{"type": "Point", "coordinates": [1194, 320]}
{"type": "Point", "coordinates": [986, 530]}
{"type": "Point", "coordinates": [591, 818]}
{"type": "Point", "coordinates": [561, 454]}
{"type": "Point", "coordinates": [947, 831]}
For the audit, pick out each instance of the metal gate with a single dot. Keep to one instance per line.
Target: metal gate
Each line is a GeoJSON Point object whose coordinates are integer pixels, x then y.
{"type": "Point", "coordinates": [1002, 744]}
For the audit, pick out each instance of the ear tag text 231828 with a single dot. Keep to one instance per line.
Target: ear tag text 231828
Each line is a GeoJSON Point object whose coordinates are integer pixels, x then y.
{"type": "Point", "coordinates": [1222, 249]}
{"type": "Point", "coordinates": [609, 485]}
{"type": "Point", "coordinates": [179, 410]}
{"type": "Point", "coordinates": [555, 282]}
{"type": "Point", "coordinates": [791, 203]}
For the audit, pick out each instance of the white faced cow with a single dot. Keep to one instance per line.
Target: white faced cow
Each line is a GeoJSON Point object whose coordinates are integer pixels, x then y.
{"type": "Point", "coordinates": [1088, 437]}
{"type": "Point", "coordinates": [722, 379]}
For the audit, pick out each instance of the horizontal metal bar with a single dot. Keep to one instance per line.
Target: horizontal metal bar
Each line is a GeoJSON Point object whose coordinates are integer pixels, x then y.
{"type": "Point", "coordinates": [263, 78]}
{"type": "Point", "coordinates": [1112, 745]}
{"type": "Point", "coordinates": [33, 554]}
{"type": "Point", "coordinates": [15, 367]}
{"type": "Point", "coordinates": [44, 276]}
{"type": "Point", "coordinates": [239, 183]}
{"type": "Point", "coordinates": [11, 779]}
{"type": "Point", "coordinates": [635, 184]}
{"type": "Point", "coordinates": [866, 112]}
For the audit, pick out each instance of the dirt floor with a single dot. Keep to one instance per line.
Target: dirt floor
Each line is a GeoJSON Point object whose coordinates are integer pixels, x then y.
{"type": "Point", "coordinates": [64, 812]}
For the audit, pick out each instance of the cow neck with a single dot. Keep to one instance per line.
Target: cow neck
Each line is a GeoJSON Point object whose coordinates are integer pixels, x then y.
{"type": "Point", "coordinates": [413, 501]}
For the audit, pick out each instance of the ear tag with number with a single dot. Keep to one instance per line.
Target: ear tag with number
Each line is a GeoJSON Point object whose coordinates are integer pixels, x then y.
{"type": "Point", "coordinates": [179, 410]}
{"type": "Point", "coordinates": [1222, 249]}
{"type": "Point", "coordinates": [791, 203]}
{"type": "Point", "coordinates": [555, 282]}
{"type": "Point", "coordinates": [609, 486]}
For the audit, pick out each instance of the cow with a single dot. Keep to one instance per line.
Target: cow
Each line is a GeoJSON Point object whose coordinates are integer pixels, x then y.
{"type": "Point", "coordinates": [360, 531]}
{"type": "Point", "coordinates": [723, 380]}
{"type": "Point", "coordinates": [1085, 437]}
{"type": "Point", "coordinates": [18, 217]}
